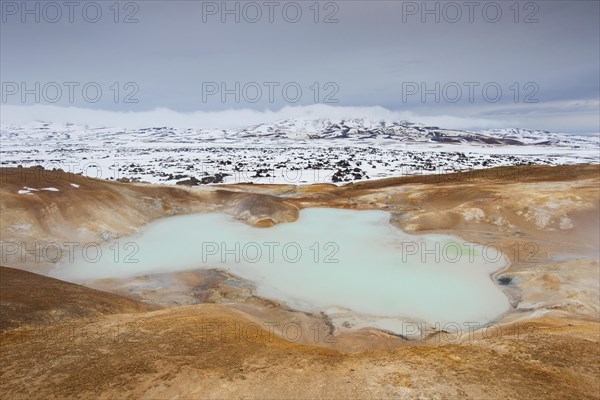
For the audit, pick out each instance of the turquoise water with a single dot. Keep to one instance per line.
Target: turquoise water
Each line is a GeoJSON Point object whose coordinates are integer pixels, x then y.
{"type": "Point", "coordinates": [328, 259]}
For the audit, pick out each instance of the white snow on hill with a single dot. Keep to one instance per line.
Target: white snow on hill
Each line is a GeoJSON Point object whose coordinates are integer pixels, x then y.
{"type": "Point", "coordinates": [297, 151]}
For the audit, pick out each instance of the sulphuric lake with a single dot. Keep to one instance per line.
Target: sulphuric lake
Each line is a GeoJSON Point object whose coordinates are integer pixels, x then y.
{"type": "Point", "coordinates": [329, 260]}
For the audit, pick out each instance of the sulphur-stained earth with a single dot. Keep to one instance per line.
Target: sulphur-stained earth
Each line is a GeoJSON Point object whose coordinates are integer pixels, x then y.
{"type": "Point", "coordinates": [207, 334]}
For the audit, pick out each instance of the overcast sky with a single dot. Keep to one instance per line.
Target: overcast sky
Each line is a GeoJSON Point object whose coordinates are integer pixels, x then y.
{"type": "Point", "coordinates": [179, 56]}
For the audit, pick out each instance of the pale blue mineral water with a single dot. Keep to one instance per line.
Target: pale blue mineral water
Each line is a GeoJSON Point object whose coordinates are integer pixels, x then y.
{"type": "Point", "coordinates": [327, 259]}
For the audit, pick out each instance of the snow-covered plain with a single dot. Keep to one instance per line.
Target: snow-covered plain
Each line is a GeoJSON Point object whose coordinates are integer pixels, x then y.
{"type": "Point", "coordinates": [296, 151]}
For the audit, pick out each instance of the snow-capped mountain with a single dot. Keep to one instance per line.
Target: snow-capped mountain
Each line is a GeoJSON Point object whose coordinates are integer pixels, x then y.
{"type": "Point", "coordinates": [289, 151]}
{"type": "Point", "coordinates": [358, 130]}
{"type": "Point", "coordinates": [365, 129]}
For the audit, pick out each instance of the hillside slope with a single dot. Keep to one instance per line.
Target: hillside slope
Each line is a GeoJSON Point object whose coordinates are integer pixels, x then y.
{"type": "Point", "coordinates": [28, 299]}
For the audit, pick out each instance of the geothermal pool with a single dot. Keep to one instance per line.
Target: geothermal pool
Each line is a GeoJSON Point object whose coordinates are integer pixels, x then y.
{"type": "Point", "coordinates": [328, 260]}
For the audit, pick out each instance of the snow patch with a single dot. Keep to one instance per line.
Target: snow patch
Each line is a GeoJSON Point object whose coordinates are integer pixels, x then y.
{"type": "Point", "coordinates": [27, 190]}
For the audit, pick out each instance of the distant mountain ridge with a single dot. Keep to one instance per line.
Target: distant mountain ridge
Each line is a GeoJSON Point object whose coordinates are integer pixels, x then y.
{"type": "Point", "coordinates": [353, 131]}
{"type": "Point", "coordinates": [403, 131]}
